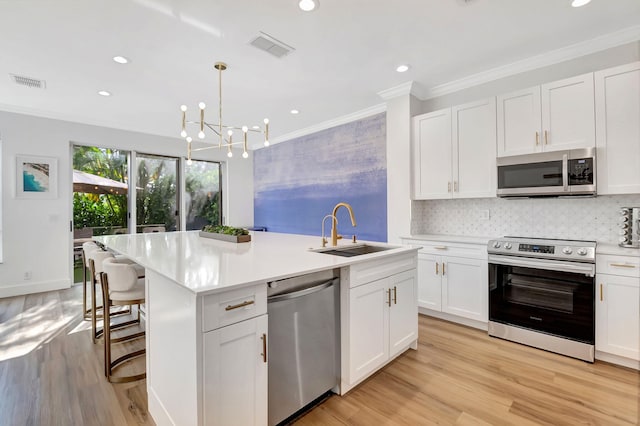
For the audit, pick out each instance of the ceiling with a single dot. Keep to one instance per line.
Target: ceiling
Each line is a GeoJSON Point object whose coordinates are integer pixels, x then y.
{"type": "Point", "coordinates": [345, 53]}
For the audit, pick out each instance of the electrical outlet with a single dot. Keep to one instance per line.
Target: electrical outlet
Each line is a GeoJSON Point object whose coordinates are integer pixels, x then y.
{"type": "Point", "coordinates": [27, 275]}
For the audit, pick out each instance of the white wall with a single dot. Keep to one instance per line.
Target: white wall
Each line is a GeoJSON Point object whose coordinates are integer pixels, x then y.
{"type": "Point", "coordinates": [620, 55]}
{"type": "Point", "coordinates": [37, 237]}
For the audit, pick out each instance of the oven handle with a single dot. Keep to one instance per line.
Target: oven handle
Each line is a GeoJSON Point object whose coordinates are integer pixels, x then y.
{"type": "Point", "coordinates": [565, 172]}
{"type": "Point", "coordinates": [583, 268]}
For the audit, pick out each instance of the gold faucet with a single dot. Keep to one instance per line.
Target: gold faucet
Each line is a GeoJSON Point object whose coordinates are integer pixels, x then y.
{"type": "Point", "coordinates": [334, 222]}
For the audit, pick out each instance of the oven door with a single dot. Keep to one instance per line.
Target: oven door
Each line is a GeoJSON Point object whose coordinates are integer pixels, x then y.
{"type": "Point", "coordinates": [552, 297]}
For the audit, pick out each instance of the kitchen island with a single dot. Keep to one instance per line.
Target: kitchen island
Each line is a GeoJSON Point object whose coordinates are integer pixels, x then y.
{"type": "Point", "coordinates": [207, 317]}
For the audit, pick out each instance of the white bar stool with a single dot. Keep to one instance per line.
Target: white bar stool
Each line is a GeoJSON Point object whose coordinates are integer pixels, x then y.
{"type": "Point", "coordinates": [120, 286]}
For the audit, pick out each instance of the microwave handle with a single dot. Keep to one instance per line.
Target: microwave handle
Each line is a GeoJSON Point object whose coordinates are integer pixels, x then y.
{"type": "Point", "coordinates": [565, 172]}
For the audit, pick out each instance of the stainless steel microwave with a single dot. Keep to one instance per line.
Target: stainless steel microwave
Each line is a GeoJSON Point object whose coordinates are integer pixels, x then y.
{"type": "Point", "coordinates": [548, 174]}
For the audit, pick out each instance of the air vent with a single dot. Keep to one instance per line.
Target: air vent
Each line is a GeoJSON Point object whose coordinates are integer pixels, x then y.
{"type": "Point", "coordinates": [271, 45]}
{"type": "Point", "coordinates": [28, 81]}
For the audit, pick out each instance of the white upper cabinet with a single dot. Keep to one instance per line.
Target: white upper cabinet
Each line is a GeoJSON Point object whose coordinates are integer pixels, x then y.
{"type": "Point", "coordinates": [519, 122]}
{"type": "Point", "coordinates": [474, 149]}
{"type": "Point", "coordinates": [618, 129]}
{"type": "Point", "coordinates": [551, 117]}
{"type": "Point", "coordinates": [432, 155]}
{"type": "Point", "coordinates": [455, 152]}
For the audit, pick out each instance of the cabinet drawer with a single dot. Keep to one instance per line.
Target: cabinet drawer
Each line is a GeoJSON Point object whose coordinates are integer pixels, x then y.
{"type": "Point", "coordinates": [445, 248]}
{"type": "Point", "coordinates": [222, 309]}
{"type": "Point", "coordinates": [626, 266]}
{"type": "Point", "coordinates": [362, 273]}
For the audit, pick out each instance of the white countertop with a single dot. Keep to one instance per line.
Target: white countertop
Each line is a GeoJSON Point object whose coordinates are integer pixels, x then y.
{"type": "Point", "coordinates": [614, 249]}
{"type": "Point", "coordinates": [450, 238]}
{"type": "Point", "coordinates": [203, 265]}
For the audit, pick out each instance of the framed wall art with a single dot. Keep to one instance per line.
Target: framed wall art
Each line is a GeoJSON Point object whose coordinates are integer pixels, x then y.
{"type": "Point", "coordinates": [36, 177]}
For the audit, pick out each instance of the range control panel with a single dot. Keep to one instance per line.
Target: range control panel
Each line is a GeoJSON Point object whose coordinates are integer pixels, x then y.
{"type": "Point", "coordinates": [581, 251]}
{"type": "Point", "coordinates": [535, 248]}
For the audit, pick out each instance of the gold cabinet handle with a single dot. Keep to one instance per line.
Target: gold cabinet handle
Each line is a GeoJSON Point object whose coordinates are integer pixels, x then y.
{"type": "Point", "coordinates": [601, 298]}
{"type": "Point", "coordinates": [546, 137]}
{"type": "Point", "coordinates": [437, 271]}
{"type": "Point", "coordinates": [622, 265]}
{"type": "Point", "coordinates": [440, 247]}
{"type": "Point", "coordinates": [264, 347]}
{"type": "Point", "coordinates": [455, 186]}
{"type": "Point", "coordinates": [389, 297]}
{"type": "Point", "coordinates": [448, 186]}
{"type": "Point", "coordinates": [239, 305]}
{"type": "Point", "coordinates": [537, 138]}
{"type": "Point", "coordinates": [395, 295]}
{"type": "Point", "coordinates": [443, 268]}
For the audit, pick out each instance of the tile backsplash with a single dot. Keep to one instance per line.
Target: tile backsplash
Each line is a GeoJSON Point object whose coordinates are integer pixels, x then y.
{"type": "Point", "coordinates": [593, 218]}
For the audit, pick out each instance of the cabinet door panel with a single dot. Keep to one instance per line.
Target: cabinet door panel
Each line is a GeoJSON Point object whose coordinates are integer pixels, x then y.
{"type": "Point", "coordinates": [368, 328]}
{"type": "Point", "coordinates": [474, 149]}
{"type": "Point", "coordinates": [618, 129]}
{"type": "Point", "coordinates": [429, 282]}
{"type": "Point", "coordinates": [403, 314]}
{"type": "Point", "coordinates": [432, 145]}
{"type": "Point", "coordinates": [568, 113]}
{"type": "Point", "coordinates": [618, 316]}
{"type": "Point", "coordinates": [518, 122]}
{"type": "Point", "coordinates": [465, 288]}
{"type": "Point", "coordinates": [235, 374]}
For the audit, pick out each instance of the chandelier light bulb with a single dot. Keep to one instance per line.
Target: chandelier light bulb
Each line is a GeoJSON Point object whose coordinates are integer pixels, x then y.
{"type": "Point", "coordinates": [266, 121]}
{"type": "Point", "coordinates": [189, 162]}
{"type": "Point", "coordinates": [266, 143]}
{"type": "Point", "coordinates": [245, 154]}
{"type": "Point", "coordinates": [183, 134]}
{"type": "Point", "coordinates": [201, 135]}
{"type": "Point", "coordinates": [229, 154]}
{"type": "Point", "coordinates": [245, 129]}
{"type": "Point", "coordinates": [189, 139]}
{"type": "Point", "coordinates": [202, 105]}
{"type": "Point", "coordinates": [183, 108]}
{"type": "Point", "coordinates": [230, 133]}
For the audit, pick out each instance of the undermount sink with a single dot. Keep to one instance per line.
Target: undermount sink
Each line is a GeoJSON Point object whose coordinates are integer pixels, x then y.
{"type": "Point", "coordinates": [356, 250]}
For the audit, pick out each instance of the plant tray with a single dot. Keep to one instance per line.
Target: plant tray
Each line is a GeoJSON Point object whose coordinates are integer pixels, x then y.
{"type": "Point", "coordinates": [225, 237]}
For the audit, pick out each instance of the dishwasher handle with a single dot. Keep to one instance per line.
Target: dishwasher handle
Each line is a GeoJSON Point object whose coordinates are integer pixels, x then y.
{"type": "Point", "coordinates": [304, 292]}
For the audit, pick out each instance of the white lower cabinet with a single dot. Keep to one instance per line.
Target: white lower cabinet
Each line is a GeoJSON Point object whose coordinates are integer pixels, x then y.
{"type": "Point", "coordinates": [453, 279]}
{"type": "Point", "coordinates": [455, 285]}
{"type": "Point", "coordinates": [235, 374]}
{"type": "Point", "coordinates": [618, 307]}
{"type": "Point", "coordinates": [382, 323]}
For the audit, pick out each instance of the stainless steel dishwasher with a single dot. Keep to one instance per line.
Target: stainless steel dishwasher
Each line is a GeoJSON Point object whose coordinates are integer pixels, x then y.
{"type": "Point", "coordinates": [304, 341]}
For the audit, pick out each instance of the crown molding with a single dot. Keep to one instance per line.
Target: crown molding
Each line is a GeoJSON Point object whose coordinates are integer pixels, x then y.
{"type": "Point", "coordinates": [573, 51]}
{"type": "Point", "coordinates": [408, 88]}
{"type": "Point", "coordinates": [376, 109]}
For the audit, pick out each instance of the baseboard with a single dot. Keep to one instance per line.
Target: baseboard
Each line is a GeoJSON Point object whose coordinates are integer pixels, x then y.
{"type": "Point", "coordinates": [454, 318]}
{"type": "Point", "coordinates": [156, 409]}
{"type": "Point", "coordinates": [618, 360]}
{"type": "Point", "coordinates": [37, 287]}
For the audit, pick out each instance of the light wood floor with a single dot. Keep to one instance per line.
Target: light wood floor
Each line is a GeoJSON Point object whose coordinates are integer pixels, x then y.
{"type": "Point", "coordinates": [51, 374]}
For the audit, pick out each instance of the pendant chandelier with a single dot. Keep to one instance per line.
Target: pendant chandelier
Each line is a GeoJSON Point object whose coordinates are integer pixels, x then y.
{"type": "Point", "coordinates": [223, 132]}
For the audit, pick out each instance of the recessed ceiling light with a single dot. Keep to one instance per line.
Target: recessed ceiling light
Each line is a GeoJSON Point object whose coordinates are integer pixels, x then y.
{"type": "Point", "coordinates": [308, 5]}
{"type": "Point", "coordinates": [295, 111]}
{"type": "Point", "coordinates": [255, 127]}
{"type": "Point", "coordinates": [120, 59]}
{"type": "Point", "coordinates": [579, 3]}
{"type": "Point", "coordinates": [402, 68]}
{"type": "Point", "coordinates": [104, 93]}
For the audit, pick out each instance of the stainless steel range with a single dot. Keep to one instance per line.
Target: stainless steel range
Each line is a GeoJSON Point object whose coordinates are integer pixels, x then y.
{"type": "Point", "coordinates": [542, 294]}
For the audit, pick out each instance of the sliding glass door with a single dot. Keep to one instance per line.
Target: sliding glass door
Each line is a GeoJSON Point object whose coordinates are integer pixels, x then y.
{"type": "Point", "coordinates": [156, 193]}
{"type": "Point", "coordinates": [203, 195]}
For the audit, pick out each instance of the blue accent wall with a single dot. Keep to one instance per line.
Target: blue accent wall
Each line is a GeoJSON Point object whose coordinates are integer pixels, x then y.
{"type": "Point", "coordinates": [298, 182]}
